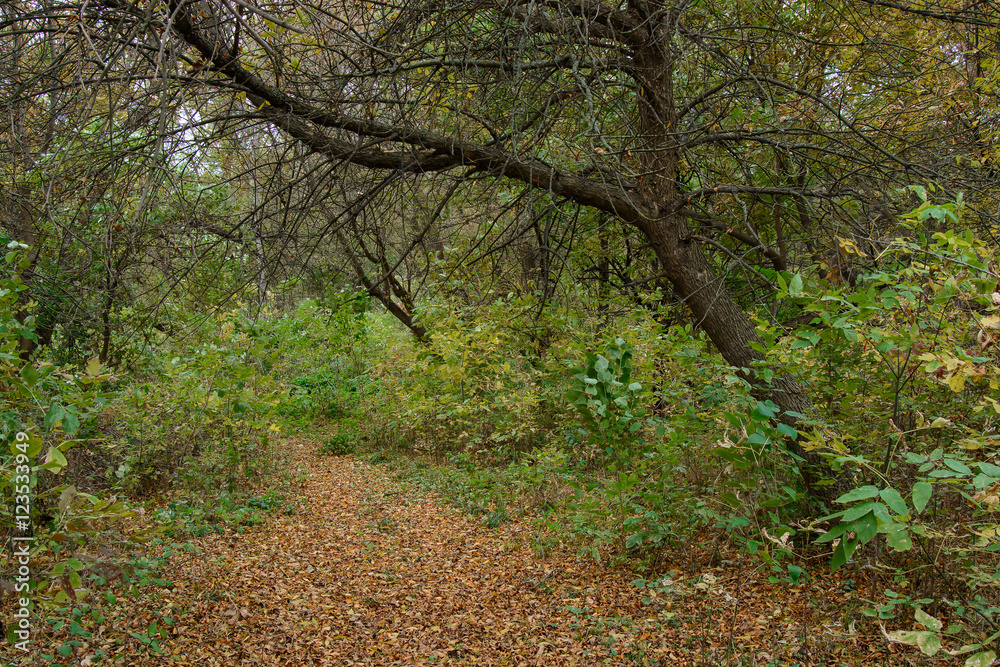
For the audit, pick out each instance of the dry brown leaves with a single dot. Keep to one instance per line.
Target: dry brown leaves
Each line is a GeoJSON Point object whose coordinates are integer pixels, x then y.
{"type": "Point", "coordinates": [370, 572]}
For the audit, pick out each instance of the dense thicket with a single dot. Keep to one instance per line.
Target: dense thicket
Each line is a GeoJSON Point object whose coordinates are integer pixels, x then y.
{"type": "Point", "coordinates": [736, 257]}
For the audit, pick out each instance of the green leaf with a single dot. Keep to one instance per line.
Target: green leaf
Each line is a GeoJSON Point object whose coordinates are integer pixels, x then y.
{"type": "Point", "coordinates": [833, 534]}
{"type": "Point", "coordinates": [927, 641]}
{"type": "Point", "coordinates": [733, 420]}
{"type": "Point", "coordinates": [860, 493]}
{"type": "Point", "coordinates": [989, 469]}
{"type": "Point", "coordinates": [894, 501]}
{"type": "Point", "coordinates": [958, 466]}
{"type": "Point", "coordinates": [55, 460]}
{"type": "Point", "coordinates": [897, 537]}
{"type": "Point", "coordinates": [767, 408]}
{"type": "Point", "coordinates": [795, 285]}
{"type": "Point", "coordinates": [788, 431]}
{"type": "Point", "coordinates": [926, 620]}
{"type": "Point", "coordinates": [858, 511]}
{"type": "Point", "coordinates": [29, 375]}
{"type": "Point", "coordinates": [53, 416]}
{"type": "Point", "coordinates": [77, 629]}
{"type": "Point", "coordinates": [734, 456]}
{"type": "Point", "coordinates": [70, 423]}
{"type": "Point", "coordinates": [601, 365]}
{"type": "Point", "coordinates": [842, 553]}
{"type": "Point", "coordinates": [921, 494]}
{"type": "Point", "coordinates": [29, 448]}
{"type": "Point", "coordinates": [866, 527]}
{"type": "Point", "coordinates": [981, 659]}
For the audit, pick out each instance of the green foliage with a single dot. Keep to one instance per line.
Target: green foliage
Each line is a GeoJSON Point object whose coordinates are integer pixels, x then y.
{"type": "Point", "coordinates": [47, 412]}
{"type": "Point", "coordinates": [197, 518]}
{"type": "Point", "coordinates": [608, 402]}
{"type": "Point", "coordinates": [340, 444]}
{"type": "Point", "coordinates": [201, 417]}
{"type": "Point", "coordinates": [909, 353]}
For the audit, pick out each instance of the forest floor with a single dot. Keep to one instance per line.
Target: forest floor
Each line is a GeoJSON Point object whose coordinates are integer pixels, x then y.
{"type": "Point", "coordinates": [372, 571]}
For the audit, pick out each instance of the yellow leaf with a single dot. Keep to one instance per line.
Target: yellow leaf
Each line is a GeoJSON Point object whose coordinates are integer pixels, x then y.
{"type": "Point", "coordinates": [94, 367]}
{"type": "Point", "coordinates": [848, 247]}
{"type": "Point", "coordinates": [957, 382]}
{"type": "Point", "coordinates": [991, 322]}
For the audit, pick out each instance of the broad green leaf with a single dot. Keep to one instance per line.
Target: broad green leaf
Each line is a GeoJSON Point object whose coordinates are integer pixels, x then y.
{"type": "Point", "coordinates": [860, 493]}
{"type": "Point", "coordinates": [788, 431]}
{"type": "Point", "coordinates": [53, 416]}
{"type": "Point", "coordinates": [70, 423]}
{"type": "Point", "coordinates": [921, 494]}
{"type": "Point", "coordinates": [981, 659]}
{"type": "Point", "coordinates": [30, 447]}
{"type": "Point", "coordinates": [866, 527]}
{"type": "Point", "coordinates": [763, 412]}
{"type": "Point", "coordinates": [29, 375]}
{"type": "Point", "coordinates": [881, 513]}
{"type": "Point", "coordinates": [56, 457]}
{"type": "Point", "coordinates": [897, 537]}
{"type": "Point", "coordinates": [927, 641]}
{"type": "Point", "coordinates": [989, 469]}
{"type": "Point", "coordinates": [601, 365]}
{"type": "Point", "coordinates": [731, 499]}
{"type": "Point", "coordinates": [926, 620]}
{"type": "Point", "coordinates": [833, 534]}
{"type": "Point", "coordinates": [842, 553]}
{"type": "Point", "coordinates": [958, 466]}
{"type": "Point", "coordinates": [894, 501]}
{"type": "Point", "coordinates": [858, 511]}
{"type": "Point", "coordinates": [795, 285]}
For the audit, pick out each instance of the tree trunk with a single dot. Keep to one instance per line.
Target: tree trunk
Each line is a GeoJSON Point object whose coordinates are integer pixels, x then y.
{"type": "Point", "coordinates": [715, 311]}
{"type": "Point", "coordinates": [684, 263]}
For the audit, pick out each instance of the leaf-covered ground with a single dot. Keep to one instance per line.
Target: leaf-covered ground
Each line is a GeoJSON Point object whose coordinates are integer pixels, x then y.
{"type": "Point", "coordinates": [370, 571]}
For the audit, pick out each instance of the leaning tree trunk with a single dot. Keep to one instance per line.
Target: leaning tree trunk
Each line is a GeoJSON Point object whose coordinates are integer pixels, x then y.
{"type": "Point", "coordinates": [715, 311]}
{"type": "Point", "coordinates": [684, 263]}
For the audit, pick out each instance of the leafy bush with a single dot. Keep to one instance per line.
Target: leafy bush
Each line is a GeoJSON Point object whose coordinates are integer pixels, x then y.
{"type": "Point", "coordinates": [340, 444]}
{"type": "Point", "coordinates": [197, 517]}
{"type": "Point", "coordinates": [906, 362]}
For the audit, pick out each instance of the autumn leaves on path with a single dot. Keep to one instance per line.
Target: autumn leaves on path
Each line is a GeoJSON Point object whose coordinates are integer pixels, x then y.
{"type": "Point", "coordinates": [369, 571]}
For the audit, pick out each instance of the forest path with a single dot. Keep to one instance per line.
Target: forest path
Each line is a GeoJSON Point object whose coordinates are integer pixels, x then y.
{"type": "Point", "coordinates": [369, 571]}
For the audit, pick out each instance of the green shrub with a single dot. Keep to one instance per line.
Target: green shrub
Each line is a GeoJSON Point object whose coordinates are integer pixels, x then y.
{"type": "Point", "coordinates": [340, 444]}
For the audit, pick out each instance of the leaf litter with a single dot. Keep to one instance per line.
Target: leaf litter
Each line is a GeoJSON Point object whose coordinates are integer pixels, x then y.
{"type": "Point", "coordinates": [372, 571]}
